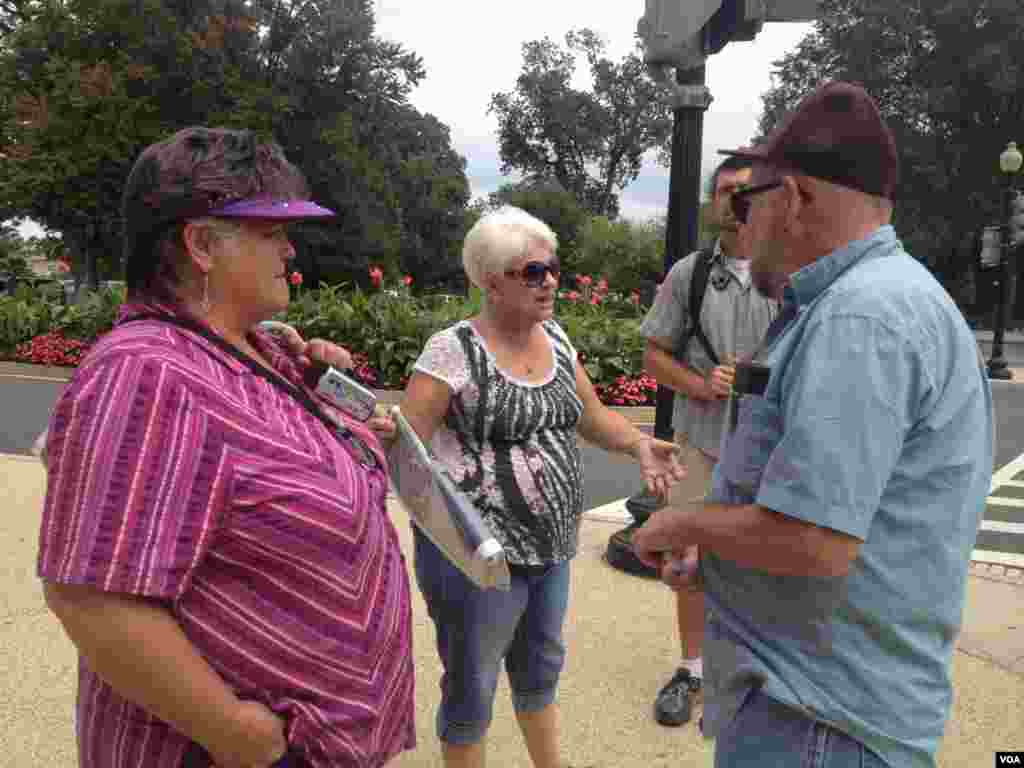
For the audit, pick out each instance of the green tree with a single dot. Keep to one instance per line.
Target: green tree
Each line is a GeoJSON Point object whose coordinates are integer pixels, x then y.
{"type": "Point", "coordinates": [949, 78]}
{"type": "Point", "coordinates": [10, 241]}
{"type": "Point", "coordinates": [555, 206]}
{"type": "Point", "coordinates": [591, 142]}
{"type": "Point", "coordinates": [630, 255]}
{"type": "Point", "coordinates": [86, 84]}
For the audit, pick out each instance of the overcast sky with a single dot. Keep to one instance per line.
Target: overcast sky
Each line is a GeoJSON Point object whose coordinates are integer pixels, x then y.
{"type": "Point", "coordinates": [472, 50]}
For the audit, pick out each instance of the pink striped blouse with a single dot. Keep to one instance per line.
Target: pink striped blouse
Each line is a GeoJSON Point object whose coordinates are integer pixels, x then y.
{"type": "Point", "coordinates": [177, 474]}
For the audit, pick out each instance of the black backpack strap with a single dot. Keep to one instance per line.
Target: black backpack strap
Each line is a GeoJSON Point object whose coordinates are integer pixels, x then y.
{"type": "Point", "coordinates": [698, 287]}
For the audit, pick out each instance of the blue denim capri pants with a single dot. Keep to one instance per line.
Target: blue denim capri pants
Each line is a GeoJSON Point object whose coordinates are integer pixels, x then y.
{"type": "Point", "coordinates": [477, 629]}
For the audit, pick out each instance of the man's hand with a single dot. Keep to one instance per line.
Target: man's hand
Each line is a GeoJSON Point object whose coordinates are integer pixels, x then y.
{"type": "Point", "coordinates": [719, 381]}
{"type": "Point", "coordinates": [255, 739]}
{"type": "Point", "coordinates": [680, 571]}
{"type": "Point", "coordinates": [667, 531]}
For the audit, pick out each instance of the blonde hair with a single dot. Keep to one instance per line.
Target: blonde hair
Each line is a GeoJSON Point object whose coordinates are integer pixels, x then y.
{"type": "Point", "coordinates": [498, 239]}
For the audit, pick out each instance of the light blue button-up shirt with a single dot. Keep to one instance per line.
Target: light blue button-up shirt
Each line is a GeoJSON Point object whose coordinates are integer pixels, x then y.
{"type": "Point", "coordinates": [877, 422]}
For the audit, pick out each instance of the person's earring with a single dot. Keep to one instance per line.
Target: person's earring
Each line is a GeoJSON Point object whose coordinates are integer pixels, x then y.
{"type": "Point", "coordinates": [204, 305]}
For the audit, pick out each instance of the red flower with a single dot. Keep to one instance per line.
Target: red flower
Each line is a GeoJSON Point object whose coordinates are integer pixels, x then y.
{"type": "Point", "coordinates": [584, 280]}
{"type": "Point", "coordinates": [634, 297]}
{"type": "Point", "coordinates": [602, 285]}
{"type": "Point", "coordinates": [572, 296]}
{"type": "Point", "coordinates": [376, 276]}
{"type": "Point", "coordinates": [295, 278]}
{"type": "Point", "coordinates": [595, 299]}
{"type": "Point", "coordinates": [407, 280]}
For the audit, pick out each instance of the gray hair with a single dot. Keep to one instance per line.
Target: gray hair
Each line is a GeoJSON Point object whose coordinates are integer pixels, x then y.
{"type": "Point", "coordinates": [498, 239]}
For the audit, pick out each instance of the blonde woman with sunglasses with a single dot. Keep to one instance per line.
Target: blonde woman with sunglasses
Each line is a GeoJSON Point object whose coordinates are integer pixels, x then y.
{"type": "Point", "coordinates": [502, 399]}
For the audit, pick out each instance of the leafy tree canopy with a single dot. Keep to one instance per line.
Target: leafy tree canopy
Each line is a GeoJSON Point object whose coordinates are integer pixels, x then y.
{"type": "Point", "coordinates": [949, 77]}
{"type": "Point", "coordinates": [591, 142]}
{"type": "Point", "coordinates": [86, 84]}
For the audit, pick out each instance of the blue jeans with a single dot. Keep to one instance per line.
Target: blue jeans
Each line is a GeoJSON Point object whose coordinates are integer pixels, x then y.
{"type": "Point", "coordinates": [477, 629]}
{"type": "Point", "coordinates": [766, 732]}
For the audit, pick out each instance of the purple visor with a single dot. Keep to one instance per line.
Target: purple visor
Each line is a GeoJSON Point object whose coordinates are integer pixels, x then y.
{"type": "Point", "coordinates": [282, 210]}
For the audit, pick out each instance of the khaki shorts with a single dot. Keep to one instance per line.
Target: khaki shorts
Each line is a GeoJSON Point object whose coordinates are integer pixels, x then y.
{"type": "Point", "coordinates": [694, 487]}
{"type": "Point", "coordinates": [697, 483]}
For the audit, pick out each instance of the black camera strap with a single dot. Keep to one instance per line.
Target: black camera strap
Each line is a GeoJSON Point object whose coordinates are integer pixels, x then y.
{"type": "Point", "coordinates": [355, 446]}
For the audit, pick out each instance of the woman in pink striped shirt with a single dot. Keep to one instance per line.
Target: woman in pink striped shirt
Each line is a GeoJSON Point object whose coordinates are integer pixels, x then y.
{"type": "Point", "coordinates": [214, 539]}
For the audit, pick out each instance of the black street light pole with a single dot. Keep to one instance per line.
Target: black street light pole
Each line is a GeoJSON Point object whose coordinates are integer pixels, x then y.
{"type": "Point", "coordinates": [1010, 163]}
{"type": "Point", "coordinates": [997, 367]}
{"type": "Point", "coordinates": [690, 100]}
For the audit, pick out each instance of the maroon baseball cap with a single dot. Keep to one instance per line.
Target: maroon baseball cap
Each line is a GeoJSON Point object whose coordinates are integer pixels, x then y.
{"type": "Point", "coordinates": [836, 134]}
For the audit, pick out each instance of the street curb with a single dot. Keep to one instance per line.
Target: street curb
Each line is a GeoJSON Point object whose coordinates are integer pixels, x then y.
{"type": "Point", "coordinates": [1001, 573]}
{"type": "Point", "coordinates": [57, 373]}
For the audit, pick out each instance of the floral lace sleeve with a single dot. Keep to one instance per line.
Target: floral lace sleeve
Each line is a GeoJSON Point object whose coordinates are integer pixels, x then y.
{"type": "Point", "coordinates": [444, 358]}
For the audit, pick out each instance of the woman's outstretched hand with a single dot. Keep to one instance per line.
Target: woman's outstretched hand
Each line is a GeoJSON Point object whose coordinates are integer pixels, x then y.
{"type": "Point", "coordinates": [659, 465]}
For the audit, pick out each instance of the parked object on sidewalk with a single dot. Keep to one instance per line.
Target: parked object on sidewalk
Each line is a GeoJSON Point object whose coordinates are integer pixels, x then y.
{"type": "Point", "coordinates": [621, 555]}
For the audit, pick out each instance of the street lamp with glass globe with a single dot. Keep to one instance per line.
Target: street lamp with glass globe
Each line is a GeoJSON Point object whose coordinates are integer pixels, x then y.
{"type": "Point", "coordinates": [1010, 162]}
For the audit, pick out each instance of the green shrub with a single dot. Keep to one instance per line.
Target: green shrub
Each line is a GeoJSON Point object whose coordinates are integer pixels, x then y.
{"type": "Point", "coordinates": [625, 253]}
{"type": "Point", "coordinates": [92, 317]}
{"type": "Point", "coordinates": [21, 319]}
{"type": "Point", "coordinates": [389, 327]}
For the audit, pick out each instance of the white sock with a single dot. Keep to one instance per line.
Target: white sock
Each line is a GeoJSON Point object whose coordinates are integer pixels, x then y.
{"type": "Point", "coordinates": [696, 667]}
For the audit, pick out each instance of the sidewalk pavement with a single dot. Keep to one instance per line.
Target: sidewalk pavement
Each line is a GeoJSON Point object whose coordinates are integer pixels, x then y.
{"type": "Point", "coordinates": [620, 634]}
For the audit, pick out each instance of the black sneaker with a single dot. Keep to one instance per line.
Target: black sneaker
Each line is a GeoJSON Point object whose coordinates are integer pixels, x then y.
{"type": "Point", "coordinates": [672, 707]}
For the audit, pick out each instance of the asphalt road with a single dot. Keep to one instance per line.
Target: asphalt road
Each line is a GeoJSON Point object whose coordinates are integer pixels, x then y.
{"type": "Point", "coordinates": [27, 404]}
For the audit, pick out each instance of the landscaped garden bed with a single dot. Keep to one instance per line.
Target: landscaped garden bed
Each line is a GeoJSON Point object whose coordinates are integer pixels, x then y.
{"type": "Point", "coordinates": [385, 330]}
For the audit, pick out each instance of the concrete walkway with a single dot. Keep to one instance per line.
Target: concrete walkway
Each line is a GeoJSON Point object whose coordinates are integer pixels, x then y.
{"type": "Point", "coordinates": [622, 646]}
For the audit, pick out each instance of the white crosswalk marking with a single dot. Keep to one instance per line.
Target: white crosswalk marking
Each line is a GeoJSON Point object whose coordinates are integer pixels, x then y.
{"type": "Point", "coordinates": [1006, 474]}
{"type": "Point", "coordinates": [999, 501]}
{"type": "Point", "coordinates": [998, 526]}
{"type": "Point", "coordinates": [998, 506]}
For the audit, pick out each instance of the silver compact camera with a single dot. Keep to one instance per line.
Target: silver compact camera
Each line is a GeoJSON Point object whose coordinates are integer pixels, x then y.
{"type": "Point", "coordinates": [346, 394]}
{"type": "Point", "coordinates": [335, 387]}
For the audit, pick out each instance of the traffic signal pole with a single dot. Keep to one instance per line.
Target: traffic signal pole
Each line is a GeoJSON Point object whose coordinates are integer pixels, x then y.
{"type": "Point", "coordinates": [690, 99]}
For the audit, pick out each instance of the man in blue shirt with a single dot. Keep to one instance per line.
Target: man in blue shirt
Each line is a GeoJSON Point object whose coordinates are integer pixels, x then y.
{"type": "Point", "coordinates": [852, 480]}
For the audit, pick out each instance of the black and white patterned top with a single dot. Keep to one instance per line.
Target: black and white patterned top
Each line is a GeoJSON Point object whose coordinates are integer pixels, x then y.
{"type": "Point", "coordinates": [510, 445]}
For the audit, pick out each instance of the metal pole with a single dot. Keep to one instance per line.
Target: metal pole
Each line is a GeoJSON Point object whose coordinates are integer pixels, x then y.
{"type": "Point", "coordinates": [691, 100]}
{"type": "Point", "coordinates": [997, 368]}
{"type": "Point", "coordinates": [681, 225]}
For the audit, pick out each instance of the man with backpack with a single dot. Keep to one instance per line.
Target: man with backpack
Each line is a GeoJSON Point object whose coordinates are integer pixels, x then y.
{"type": "Point", "coordinates": [705, 316]}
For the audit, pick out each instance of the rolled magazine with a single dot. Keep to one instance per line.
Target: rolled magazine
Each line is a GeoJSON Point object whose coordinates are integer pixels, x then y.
{"type": "Point", "coordinates": [442, 512]}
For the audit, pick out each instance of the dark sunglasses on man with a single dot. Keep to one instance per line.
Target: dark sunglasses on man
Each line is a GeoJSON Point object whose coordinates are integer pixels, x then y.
{"type": "Point", "coordinates": [740, 200]}
{"type": "Point", "coordinates": [534, 273]}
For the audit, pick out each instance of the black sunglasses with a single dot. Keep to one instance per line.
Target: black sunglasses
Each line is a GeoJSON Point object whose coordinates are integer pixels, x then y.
{"type": "Point", "coordinates": [534, 273]}
{"type": "Point", "coordinates": [740, 200]}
